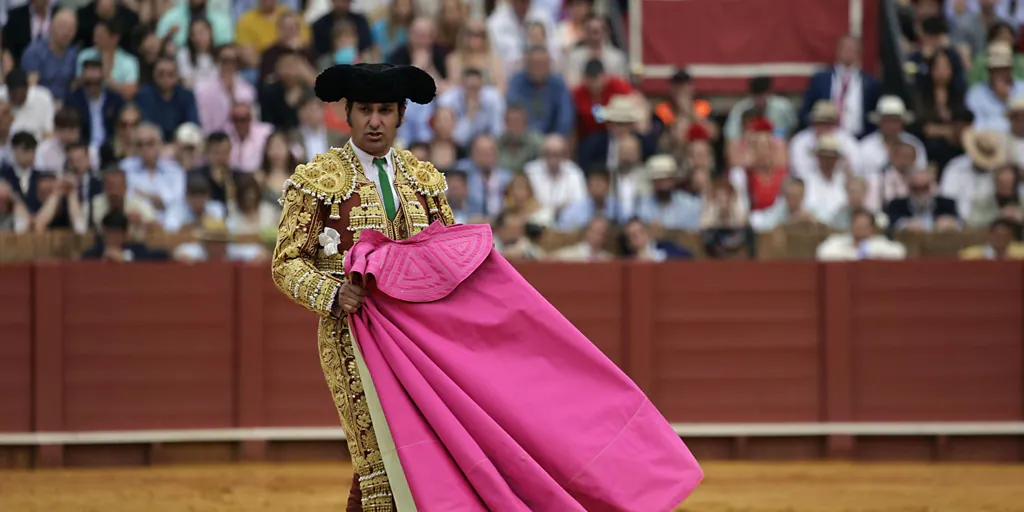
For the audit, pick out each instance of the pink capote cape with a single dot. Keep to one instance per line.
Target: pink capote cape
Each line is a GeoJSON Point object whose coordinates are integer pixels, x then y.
{"type": "Point", "coordinates": [494, 400]}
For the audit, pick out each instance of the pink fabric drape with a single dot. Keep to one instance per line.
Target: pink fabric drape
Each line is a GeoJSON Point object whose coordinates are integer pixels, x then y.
{"type": "Point", "coordinates": [495, 401]}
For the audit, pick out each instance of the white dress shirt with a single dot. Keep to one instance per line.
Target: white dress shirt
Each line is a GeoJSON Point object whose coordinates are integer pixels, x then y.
{"type": "Point", "coordinates": [559, 190]}
{"type": "Point", "coordinates": [968, 187]}
{"type": "Point", "coordinates": [825, 196]}
{"type": "Point", "coordinates": [36, 115]}
{"type": "Point", "coordinates": [371, 172]}
{"type": "Point", "coordinates": [802, 157]}
{"type": "Point", "coordinates": [874, 156]}
{"type": "Point", "coordinates": [850, 100]}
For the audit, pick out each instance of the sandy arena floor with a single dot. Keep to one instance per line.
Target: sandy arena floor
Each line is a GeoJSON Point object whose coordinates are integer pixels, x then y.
{"type": "Point", "coordinates": [729, 487]}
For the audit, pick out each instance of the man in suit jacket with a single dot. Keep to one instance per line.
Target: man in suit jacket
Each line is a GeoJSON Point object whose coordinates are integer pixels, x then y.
{"type": "Point", "coordinates": [852, 90]}
{"type": "Point", "coordinates": [20, 31]}
{"type": "Point", "coordinates": [923, 209]}
{"type": "Point", "coordinates": [92, 89]}
{"type": "Point", "coordinates": [19, 171]}
{"type": "Point", "coordinates": [621, 116]}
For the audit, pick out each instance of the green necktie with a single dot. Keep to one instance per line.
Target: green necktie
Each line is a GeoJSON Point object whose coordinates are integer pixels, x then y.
{"type": "Point", "coordinates": [385, 188]}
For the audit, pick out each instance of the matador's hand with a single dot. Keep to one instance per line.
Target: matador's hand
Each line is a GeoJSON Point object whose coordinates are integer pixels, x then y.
{"type": "Point", "coordinates": [350, 298]}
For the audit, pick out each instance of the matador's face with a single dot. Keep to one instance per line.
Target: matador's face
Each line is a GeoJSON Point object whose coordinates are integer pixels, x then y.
{"type": "Point", "coordinates": [375, 126]}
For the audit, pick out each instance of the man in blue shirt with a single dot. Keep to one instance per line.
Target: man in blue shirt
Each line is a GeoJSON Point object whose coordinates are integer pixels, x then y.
{"type": "Point", "coordinates": [165, 102]}
{"type": "Point", "coordinates": [543, 94]}
{"type": "Point", "coordinates": [51, 61]}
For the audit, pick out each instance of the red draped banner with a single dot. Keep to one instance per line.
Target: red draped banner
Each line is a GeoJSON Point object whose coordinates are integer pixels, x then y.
{"type": "Point", "coordinates": [724, 42]}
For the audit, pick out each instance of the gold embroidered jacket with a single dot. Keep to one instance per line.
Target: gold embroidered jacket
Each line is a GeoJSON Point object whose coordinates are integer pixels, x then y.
{"type": "Point", "coordinates": [333, 192]}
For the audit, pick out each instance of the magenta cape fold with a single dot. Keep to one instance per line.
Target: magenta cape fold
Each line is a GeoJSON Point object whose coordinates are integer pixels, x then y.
{"type": "Point", "coordinates": [494, 400]}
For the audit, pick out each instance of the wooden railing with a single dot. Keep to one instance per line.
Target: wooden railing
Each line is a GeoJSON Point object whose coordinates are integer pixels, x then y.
{"type": "Point", "coordinates": [67, 245]}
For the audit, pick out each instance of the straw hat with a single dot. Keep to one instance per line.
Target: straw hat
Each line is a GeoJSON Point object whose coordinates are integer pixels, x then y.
{"type": "Point", "coordinates": [621, 109]}
{"type": "Point", "coordinates": [824, 111]}
{"type": "Point", "coordinates": [1000, 55]}
{"type": "Point", "coordinates": [986, 149]}
{"type": "Point", "coordinates": [1016, 106]}
{"type": "Point", "coordinates": [661, 167]}
{"type": "Point", "coordinates": [828, 145]}
{"type": "Point", "coordinates": [214, 230]}
{"type": "Point", "coordinates": [891, 106]}
{"type": "Point", "coordinates": [189, 134]}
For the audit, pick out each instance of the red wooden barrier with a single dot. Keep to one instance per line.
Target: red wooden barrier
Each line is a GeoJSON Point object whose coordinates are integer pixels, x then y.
{"type": "Point", "coordinates": [89, 346]}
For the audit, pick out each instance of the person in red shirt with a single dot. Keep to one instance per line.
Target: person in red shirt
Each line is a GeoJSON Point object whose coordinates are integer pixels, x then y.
{"type": "Point", "coordinates": [596, 90]}
{"type": "Point", "coordinates": [761, 179]}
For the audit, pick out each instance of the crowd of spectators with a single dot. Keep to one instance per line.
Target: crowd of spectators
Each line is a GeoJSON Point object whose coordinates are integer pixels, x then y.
{"type": "Point", "coordinates": [129, 117]}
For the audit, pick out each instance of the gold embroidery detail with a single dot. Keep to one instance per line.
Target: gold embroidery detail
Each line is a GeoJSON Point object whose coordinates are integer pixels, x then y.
{"type": "Point", "coordinates": [370, 212]}
{"type": "Point", "coordinates": [424, 177]}
{"type": "Point", "coordinates": [292, 268]}
{"type": "Point", "coordinates": [337, 359]}
{"type": "Point", "coordinates": [416, 216]}
{"type": "Point", "coordinates": [330, 177]}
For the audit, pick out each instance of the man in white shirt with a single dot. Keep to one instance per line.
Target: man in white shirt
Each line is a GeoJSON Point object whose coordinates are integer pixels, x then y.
{"type": "Point", "coordinates": [892, 117]}
{"type": "Point", "coordinates": [862, 242]}
{"type": "Point", "coordinates": [968, 179]}
{"type": "Point", "coordinates": [595, 46]}
{"type": "Point", "coordinates": [826, 185]}
{"type": "Point", "coordinates": [824, 119]}
{"type": "Point", "coordinates": [32, 106]}
{"type": "Point", "coordinates": [557, 181]}
{"type": "Point", "coordinates": [507, 27]}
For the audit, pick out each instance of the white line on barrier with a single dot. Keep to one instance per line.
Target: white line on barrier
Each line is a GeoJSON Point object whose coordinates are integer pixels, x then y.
{"type": "Point", "coordinates": [684, 429]}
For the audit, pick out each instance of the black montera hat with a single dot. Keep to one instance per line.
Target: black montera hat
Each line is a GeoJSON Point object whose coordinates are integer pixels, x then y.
{"type": "Point", "coordinates": [375, 83]}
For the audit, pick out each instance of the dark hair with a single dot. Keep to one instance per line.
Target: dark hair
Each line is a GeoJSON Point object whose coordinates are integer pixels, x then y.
{"type": "Point", "coordinates": [306, 100]}
{"type": "Point", "coordinates": [92, 64]}
{"type": "Point", "coordinates": [24, 140]}
{"type": "Point", "coordinates": [861, 212]}
{"type": "Point", "coordinates": [599, 171]}
{"type": "Point", "coordinates": [516, 107]}
{"type": "Point", "coordinates": [193, 55]}
{"type": "Point", "coordinates": [111, 170]}
{"type": "Point", "coordinates": [963, 115]}
{"type": "Point", "coordinates": [246, 183]}
{"type": "Point", "coordinates": [1012, 225]}
{"type": "Point", "coordinates": [17, 79]}
{"type": "Point", "coordinates": [536, 49]}
{"type": "Point", "coordinates": [993, 31]}
{"type": "Point", "coordinates": [112, 25]}
{"type": "Point", "coordinates": [165, 58]}
{"type": "Point", "coordinates": [197, 184]}
{"type": "Point", "coordinates": [76, 146]}
{"type": "Point", "coordinates": [680, 77]}
{"type": "Point", "coordinates": [114, 220]}
{"type": "Point", "coordinates": [217, 137]}
{"type": "Point", "coordinates": [290, 163]}
{"type": "Point", "coordinates": [220, 49]}
{"type": "Point", "coordinates": [936, 25]}
{"type": "Point", "coordinates": [456, 173]}
{"type": "Point", "coordinates": [67, 117]}
{"type": "Point", "coordinates": [593, 67]}
{"type": "Point", "coordinates": [760, 85]}
{"type": "Point", "coordinates": [926, 89]}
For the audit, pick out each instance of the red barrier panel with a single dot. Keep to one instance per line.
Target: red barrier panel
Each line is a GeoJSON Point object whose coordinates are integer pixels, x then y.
{"type": "Point", "coordinates": [728, 342]}
{"type": "Point", "coordinates": [90, 346]}
{"type": "Point", "coordinates": [15, 348]}
{"type": "Point", "coordinates": [144, 346]}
